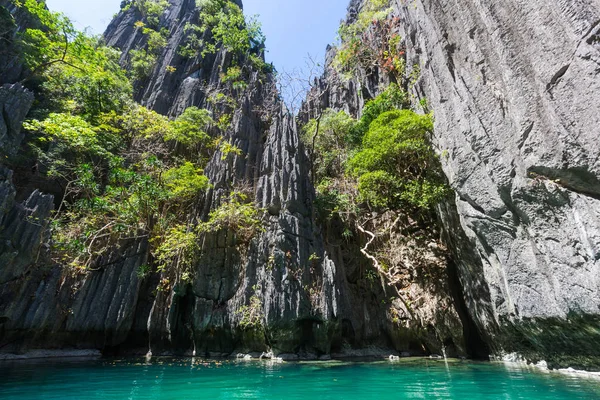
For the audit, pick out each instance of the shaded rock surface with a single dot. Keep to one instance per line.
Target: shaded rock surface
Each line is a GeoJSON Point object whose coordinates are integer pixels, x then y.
{"type": "Point", "coordinates": [513, 87]}
{"type": "Point", "coordinates": [11, 61]}
{"type": "Point", "coordinates": [15, 102]}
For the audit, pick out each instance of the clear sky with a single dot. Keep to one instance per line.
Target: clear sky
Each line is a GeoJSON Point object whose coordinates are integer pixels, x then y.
{"type": "Point", "coordinates": [294, 28]}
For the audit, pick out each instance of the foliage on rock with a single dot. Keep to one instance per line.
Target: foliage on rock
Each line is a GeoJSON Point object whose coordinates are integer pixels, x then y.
{"type": "Point", "coordinates": [392, 98]}
{"type": "Point", "coordinates": [123, 172]}
{"type": "Point", "coordinates": [396, 166]}
{"type": "Point", "coordinates": [143, 60]}
{"type": "Point", "coordinates": [238, 214]}
{"type": "Point", "coordinates": [251, 315]}
{"type": "Point", "coordinates": [370, 42]}
{"type": "Point", "coordinates": [380, 178]}
{"type": "Point", "coordinates": [229, 29]}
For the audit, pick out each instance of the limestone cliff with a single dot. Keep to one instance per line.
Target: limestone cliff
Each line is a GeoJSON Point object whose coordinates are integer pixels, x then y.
{"type": "Point", "coordinates": [513, 87]}
{"type": "Point", "coordinates": [312, 299]}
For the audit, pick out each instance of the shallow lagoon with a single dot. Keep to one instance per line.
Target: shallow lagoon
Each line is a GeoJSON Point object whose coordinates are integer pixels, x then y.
{"type": "Point", "coordinates": [230, 379]}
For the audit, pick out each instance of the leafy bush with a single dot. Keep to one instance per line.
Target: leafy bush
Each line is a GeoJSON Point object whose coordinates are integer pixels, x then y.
{"type": "Point", "coordinates": [190, 128]}
{"type": "Point", "coordinates": [56, 41]}
{"type": "Point", "coordinates": [157, 40]}
{"type": "Point", "coordinates": [186, 181]}
{"type": "Point", "coordinates": [121, 181]}
{"type": "Point", "coordinates": [238, 215]}
{"type": "Point", "coordinates": [252, 314]}
{"type": "Point", "coordinates": [151, 10]}
{"type": "Point", "coordinates": [233, 74]}
{"type": "Point", "coordinates": [177, 250]}
{"type": "Point", "coordinates": [229, 29]}
{"type": "Point", "coordinates": [326, 138]}
{"type": "Point", "coordinates": [142, 64]}
{"type": "Point", "coordinates": [392, 98]}
{"type": "Point", "coordinates": [333, 199]}
{"type": "Point", "coordinates": [89, 92]}
{"type": "Point", "coordinates": [372, 10]}
{"type": "Point", "coordinates": [78, 72]}
{"type": "Point", "coordinates": [397, 166]}
{"type": "Point", "coordinates": [370, 41]}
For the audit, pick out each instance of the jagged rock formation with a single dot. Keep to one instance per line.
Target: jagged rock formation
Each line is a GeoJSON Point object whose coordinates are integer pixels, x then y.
{"type": "Point", "coordinates": [307, 291]}
{"type": "Point", "coordinates": [11, 66]}
{"type": "Point", "coordinates": [512, 88]}
{"type": "Point", "coordinates": [309, 306]}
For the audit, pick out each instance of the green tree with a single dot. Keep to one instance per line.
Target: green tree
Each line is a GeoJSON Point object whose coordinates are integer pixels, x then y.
{"type": "Point", "coordinates": [326, 139]}
{"type": "Point", "coordinates": [151, 10]}
{"type": "Point", "coordinates": [229, 29]}
{"type": "Point", "coordinates": [238, 214]}
{"type": "Point", "coordinates": [77, 72]}
{"type": "Point", "coordinates": [190, 132]}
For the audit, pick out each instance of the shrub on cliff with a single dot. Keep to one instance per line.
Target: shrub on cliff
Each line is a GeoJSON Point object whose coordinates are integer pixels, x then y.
{"type": "Point", "coordinates": [397, 166]}
{"type": "Point", "coordinates": [392, 98]}
{"type": "Point", "coordinates": [230, 29]}
{"type": "Point", "coordinates": [371, 41]}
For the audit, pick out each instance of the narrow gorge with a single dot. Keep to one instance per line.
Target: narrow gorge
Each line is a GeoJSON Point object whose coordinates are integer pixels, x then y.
{"type": "Point", "coordinates": [253, 239]}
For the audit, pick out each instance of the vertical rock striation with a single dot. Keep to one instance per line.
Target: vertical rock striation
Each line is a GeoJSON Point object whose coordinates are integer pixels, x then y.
{"type": "Point", "coordinates": [304, 289]}
{"type": "Point", "coordinates": [513, 87]}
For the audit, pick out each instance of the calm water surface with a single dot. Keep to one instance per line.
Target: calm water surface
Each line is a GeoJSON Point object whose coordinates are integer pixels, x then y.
{"type": "Point", "coordinates": [197, 379]}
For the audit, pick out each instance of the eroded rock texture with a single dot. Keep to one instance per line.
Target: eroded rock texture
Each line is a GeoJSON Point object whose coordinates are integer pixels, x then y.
{"type": "Point", "coordinates": [311, 300]}
{"type": "Point", "coordinates": [514, 87]}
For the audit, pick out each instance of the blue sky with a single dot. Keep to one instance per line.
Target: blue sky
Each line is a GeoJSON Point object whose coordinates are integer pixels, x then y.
{"type": "Point", "coordinates": [294, 28]}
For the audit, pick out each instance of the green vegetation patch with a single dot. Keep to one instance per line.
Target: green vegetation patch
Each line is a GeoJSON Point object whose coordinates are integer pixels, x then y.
{"type": "Point", "coordinates": [371, 41]}
{"type": "Point", "coordinates": [122, 173]}
{"type": "Point", "coordinates": [396, 165]}
{"type": "Point", "coordinates": [229, 29]}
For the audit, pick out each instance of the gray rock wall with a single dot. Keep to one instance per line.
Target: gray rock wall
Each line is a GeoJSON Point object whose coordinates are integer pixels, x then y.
{"type": "Point", "coordinates": [15, 102]}
{"type": "Point", "coordinates": [514, 87]}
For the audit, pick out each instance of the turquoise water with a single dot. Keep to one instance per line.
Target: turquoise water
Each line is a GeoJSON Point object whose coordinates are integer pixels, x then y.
{"type": "Point", "coordinates": [197, 379]}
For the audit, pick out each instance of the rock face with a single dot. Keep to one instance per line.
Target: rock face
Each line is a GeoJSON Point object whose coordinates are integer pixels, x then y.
{"type": "Point", "coordinates": [15, 102]}
{"type": "Point", "coordinates": [310, 303]}
{"type": "Point", "coordinates": [13, 20]}
{"type": "Point", "coordinates": [308, 294]}
{"type": "Point", "coordinates": [513, 87]}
